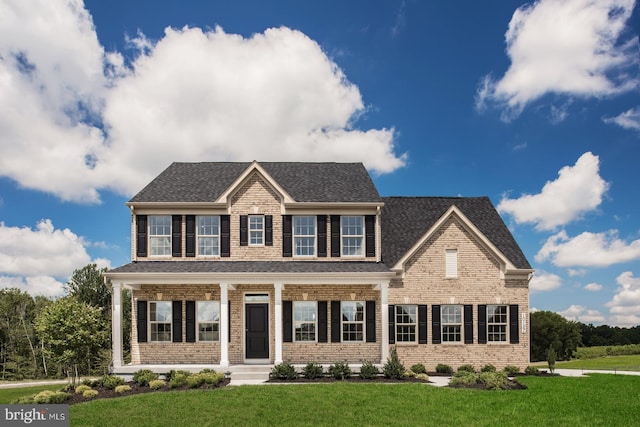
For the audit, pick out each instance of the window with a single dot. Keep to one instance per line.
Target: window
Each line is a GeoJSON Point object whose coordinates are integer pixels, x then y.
{"type": "Point", "coordinates": [160, 235]}
{"type": "Point", "coordinates": [497, 323]}
{"type": "Point", "coordinates": [451, 318]}
{"type": "Point", "coordinates": [352, 320]}
{"type": "Point", "coordinates": [451, 263]}
{"type": "Point", "coordinates": [209, 235]}
{"type": "Point", "coordinates": [160, 318]}
{"type": "Point", "coordinates": [256, 230]}
{"type": "Point", "coordinates": [406, 321]}
{"type": "Point", "coordinates": [352, 235]}
{"type": "Point", "coordinates": [304, 235]}
{"type": "Point", "coordinates": [304, 320]}
{"type": "Point", "coordinates": [208, 320]}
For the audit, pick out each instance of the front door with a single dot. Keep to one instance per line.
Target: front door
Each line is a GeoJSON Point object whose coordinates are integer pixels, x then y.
{"type": "Point", "coordinates": [257, 330]}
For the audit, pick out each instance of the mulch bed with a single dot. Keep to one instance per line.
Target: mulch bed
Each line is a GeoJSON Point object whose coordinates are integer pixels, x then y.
{"type": "Point", "coordinates": [353, 379]}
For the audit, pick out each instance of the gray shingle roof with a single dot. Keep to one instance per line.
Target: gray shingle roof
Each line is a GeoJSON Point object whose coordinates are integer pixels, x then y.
{"type": "Point", "coordinates": [251, 267]}
{"type": "Point", "coordinates": [406, 219]}
{"type": "Point", "coordinates": [305, 182]}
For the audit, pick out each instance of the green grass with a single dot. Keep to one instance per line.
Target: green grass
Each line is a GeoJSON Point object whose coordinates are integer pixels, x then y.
{"type": "Point", "coordinates": [8, 395]}
{"type": "Point", "coordinates": [595, 400]}
{"type": "Point", "coordinates": [609, 363]}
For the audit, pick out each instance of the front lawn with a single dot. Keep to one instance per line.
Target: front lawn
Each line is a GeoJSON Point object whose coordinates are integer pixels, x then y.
{"type": "Point", "coordinates": [609, 363]}
{"type": "Point", "coordinates": [595, 400]}
{"type": "Point", "coordinates": [8, 395]}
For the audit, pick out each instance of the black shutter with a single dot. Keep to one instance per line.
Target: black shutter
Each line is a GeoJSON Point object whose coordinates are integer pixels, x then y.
{"type": "Point", "coordinates": [436, 333]}
{"type": "Point", "coordinates": [244, 234]}
{"type": "Point", "coordinates": [335, 321]}
{"type": "Point", "coordinates": [468, 324]}
{"type": "Point", "coordinates": [287, 321]}
{"type": "Point", "coordinates": [229, 320]}
{"type": "Point", "coordinates": [287, 244]}
{"type": "Point", "coordinates": [370, 235]}
{"type": "Point", "coordinates": [141, 233]}
{"type": "Point", "coordinates": [176, 311]}
{"type": "Point", "coordinates": [225, 236]}
{"type": "Point", "coordinates": [268, 230]}
{"type": "Point", "coordinates": [322, 321]}
{"type": "Point", "coordinates": [514, 337]}
{"type": "Point", "coordinates": [190, 321]}
{"type": "Point", "coordinates": [370, 314]}
{"type": "Point", "coordinates": [422, 324]}
{"type": "Point", "coordinates": [392, 324]}
{"type": "Point", "coordinates": [482, 324]}
{"type": "Point", "coordinates": [335, 235]}
{"type": "Point", "coordinates": [190, 236]}
{"type": "Point", "coordinates": [321, 221]}
{"type": "Point", "coordinates": [142, 321]}
{"type": "Point", "coordinates": [176, 235]}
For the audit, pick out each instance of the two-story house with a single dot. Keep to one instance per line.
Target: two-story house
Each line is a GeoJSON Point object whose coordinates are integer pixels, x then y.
{"type": "Point", "coordinates": [240, 263]}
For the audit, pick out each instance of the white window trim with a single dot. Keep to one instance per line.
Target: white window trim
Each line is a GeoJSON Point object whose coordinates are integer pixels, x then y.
{"type": "Point", "coordinates": [314, 235]}
{"type": "Point", "coordinates": [355, 322]}
{"type": "Point", "coordinates": [444, 324]}
{"type": "Point", "coordinates": [198, 322]}
{"type": "Point", "coordinates": [504, 324]}
{"type": "Point", "coordinates": [414, 324]}
{"type": "Point", "coordinates": [361, 236]}
{"type": "Point", "coordinates": [297, 322]}
{"type": "Point", "coordinates": [261, 230]}
{"type": "Point", "coordinates": [156, 322]}
{"type": "Point", "coordinates": [198, 236]}
{"type": "Point", "coordinates": [159, 236]}
{"type": "Point", "coordinates": [451, 263]}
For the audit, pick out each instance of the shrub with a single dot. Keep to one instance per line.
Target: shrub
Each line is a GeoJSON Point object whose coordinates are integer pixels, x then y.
{"type": "Point", "coordinates": [90, 394]}
{"type": "Point", "coordinates": [208, 371]}
{"type": "Point", "coordinates": [409, 374]}
{"type": "Point", "coordinates": [312, 370]}
{"type": "Point", "coordinates": [444, 369]}
{"type": "Point", "coordinates": [82, 388]}
{"type": "Point", "coordinates": [172, 373]}
{"type": "Point", "coordinates": [90, 382]}
{"type": "Point", "coordinates": [122, 388]}
{"type": "Point", "coordinates": [211, 377]}
{"type": "Point", "coordinates": [51, 397]}
{"type": "Point", "coordinates": [284, 371]}
{"type": "Point", "coordinates": [111, 381]}
{"type": "Point", "coordinates": [393, 368]}
{"type": "Point", "coordinates": [179, 379]}
{"type": "Point", "coordinates": [494, 380]}
{"type": "Point", "coordinates": [156, 384]}
{"type": "Point", "coordinates": [368, 371]}
{"type": "Point", "coordinates": [511, 370]}
{"type": "Point", "coordinates": [467, 368]}
{"type": "Point", "coordinates": [422, 377]}
{"type": "Point", "coordinates": [195, 380]}
{"type": "Point", "coordinates": [464, 378]}
{"type": "Point", "coordinates": [551, 359]}
{"type": "Point", "coordinates": [340, 370]}
{"type": "Point", "coordinates": [419, 368]}
{"type": "Point", "coordinates": [531, 370]}
{"type": "Point", "coordinates": [488, 368]}
{"type": "Point", "coordinates": [144, 376]}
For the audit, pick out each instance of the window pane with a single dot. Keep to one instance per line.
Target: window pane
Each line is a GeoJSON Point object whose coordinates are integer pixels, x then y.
{"type": "Point", "coordinates": [497, 323]}
{"type": "Point", "coordinates": [160, 311]}
{"type": "Point", "coordinates": [352, 235]}
{"type": "Point", "coordinates": [304, 311]}
{"type": "Point", "coordinates": [256, 229]}
{"type": "Point", "coordinates": [304, 235]}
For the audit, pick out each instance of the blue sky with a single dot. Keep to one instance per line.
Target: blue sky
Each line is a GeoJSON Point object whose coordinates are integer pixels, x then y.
{"type": "Point", "coordinates": [534, 104]}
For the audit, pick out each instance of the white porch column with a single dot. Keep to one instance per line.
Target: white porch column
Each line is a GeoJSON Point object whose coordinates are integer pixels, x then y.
{"type": "Point", "coordinates": [384, 297]}
{"type": "Point", "coordinates": [278, 286]}
{"type": "Point", "coordinates": [116, 324]}
{"type": "Point", "coordinates": [224, 325]}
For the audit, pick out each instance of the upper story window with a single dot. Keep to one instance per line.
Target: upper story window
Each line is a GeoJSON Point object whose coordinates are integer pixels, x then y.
{"type": "Point", "coordinates": [451, 263]}
{"type": "Point", "coordinates": [209, 235]}
{"type": "Point", "coordinates": [352, 233]}
{"type": "Point", "coordinates": [352, 320]}
{"type": "Point", "coordinates": [160, 320]}
{"type": "Point", "coordinates": [451, 319]}
{"type": "Point", "coordinates": [160, 235]}
{"type": "Point", "coordinates": [304, 235]}
{"type": "Point", "coordinates": [497, 323]}
{"type": "Point", "coordinates": [406, 323]}
{"type": "Point", "coordinates": [304, 320]}
{"type": "Point", "coordinates": [256, 230]}
{"type": "Point", "coordinates": [208, 320]}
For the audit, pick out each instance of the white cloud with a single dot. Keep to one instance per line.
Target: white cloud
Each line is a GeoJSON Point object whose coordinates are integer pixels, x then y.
{"type": "Point", "coordinates": [593, 287]}
{"type": "Point", "coordinates": [578, 189]}
{"type": "Point", "coordinates": [75, 120]}
{"type": "Point", "coordinates": [543, 282]}
{"type": "Point", "coordinates": [34, 259]}
{"type": "Point", "coordinates": [630, 119]}
{"type": "Point", "coordinates": [573, 272]}
{"type": "Point", "coordinates": [625, 305]}
{"type": "Point", "coordinates": [579, 313]}
{"type": "Point", "coordinates": [588, 250]}
{"type": "Point", "coordinates": [571, 47]}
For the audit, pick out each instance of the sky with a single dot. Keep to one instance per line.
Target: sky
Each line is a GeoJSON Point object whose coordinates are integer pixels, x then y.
{"type": "Point", "coordinates": [533, 104]}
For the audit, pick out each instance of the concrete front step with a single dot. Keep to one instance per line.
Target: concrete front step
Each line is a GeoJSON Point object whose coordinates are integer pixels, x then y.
{"type": "Point", "coordinates": [250, 374]}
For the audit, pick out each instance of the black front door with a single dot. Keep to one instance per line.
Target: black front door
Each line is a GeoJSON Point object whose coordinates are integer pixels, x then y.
{"type": "Point", "coordinates": [257, 330]}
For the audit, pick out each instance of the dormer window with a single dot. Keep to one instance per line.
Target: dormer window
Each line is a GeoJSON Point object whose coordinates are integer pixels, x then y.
{"type": "Point", "coordinates": [256, 230]}
{"type": "Point", "coordinates": [352, 228]}
{"type": "Point", "coordinates": [160, 235]}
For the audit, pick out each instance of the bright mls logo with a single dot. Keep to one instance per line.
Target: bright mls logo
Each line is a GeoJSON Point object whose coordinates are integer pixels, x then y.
{"type": "Point", "coordinates": [49, 415]}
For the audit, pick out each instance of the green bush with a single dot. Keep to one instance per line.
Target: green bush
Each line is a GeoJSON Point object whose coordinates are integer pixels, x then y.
{"type": "Point", "coordinates": [123, 388]}
{"type": "Point", "coordinates": [51, 397]}
{"type": "Point", "coordinates": [488, 368]}
{"type": "Point", "coordinates": [467, 368]}
{"type": "Point", "coordinates": [156, 384]}
{"type": "Point", "coordinates": [312, 370]}
{"type": "Point", "coordinates": [195, 380]}
{"type": "Point", "coordinates": [144, 376]}
{"type": "Point", "coordinates": [208, 371]}
{"type": "Point", "coordinates": [511, 370]}
{"type": "Point", "coordinates": [464, 378]}
{"type": "Point", "coordinates": [284, 371]}
{"type": "Point", "coordinates": [551, 359]}
{"type": "Point", "coordinates": [82, 388]}
{"type": "Point", "coordinates": [393, 368]}
{"type": "Point", "coordinates": [368, 371]}
{"type": "Point", "coordinates": [441, 368]}
{"type": "Point", "coordinates": [494, 380]}
{"type": "Point", "coordinates": [90, 394]}
{"type": "Point", "coordinates": [210, 377]}
{"type": "Point", "coordinates": [419, 368]}
{"type": "Point", "coordinates": [172, 373]}
{"type": "Point", "coordinates": [422, 377]}
{"type": "Point", "coordinates": [531, 370]}
{"type": "Point", "coordinates": [111, 381]}
{"type": "Point", "coordinates": [340, 370]}
{"type": "Point", "coordinates": [179, 379]}
{"type": "Point", "coordinates": [409, 374]}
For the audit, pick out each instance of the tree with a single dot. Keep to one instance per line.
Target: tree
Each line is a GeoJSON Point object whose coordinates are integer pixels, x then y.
{"type": "Point", "coordinates": [551, 359]}
{"type": "Point", "coordinates": [87, 285]}
{"type": "Point", "coordinates": [71, 331]}
{"type": "Point", "coordinates": [551, 329]}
